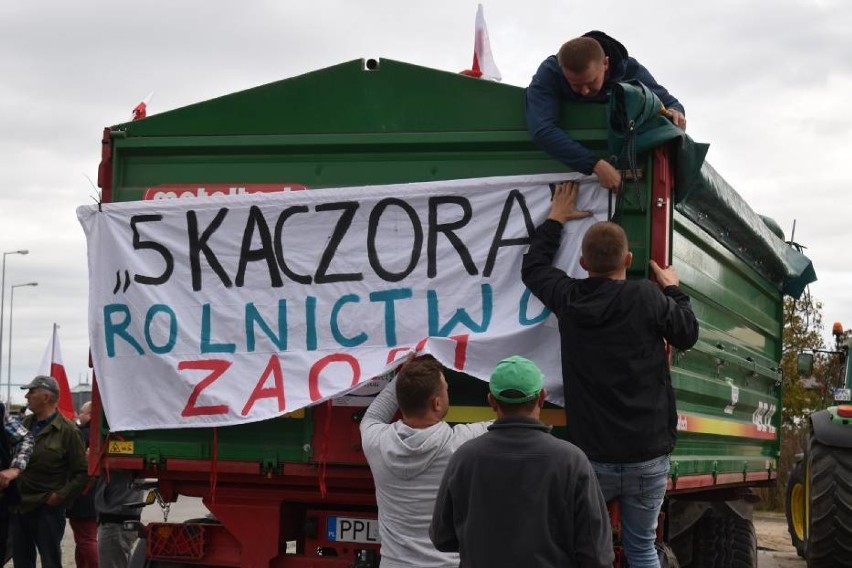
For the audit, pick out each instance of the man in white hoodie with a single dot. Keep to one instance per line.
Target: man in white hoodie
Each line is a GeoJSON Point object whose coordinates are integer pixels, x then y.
{"type": "Point", "coordinates": [408, 458]}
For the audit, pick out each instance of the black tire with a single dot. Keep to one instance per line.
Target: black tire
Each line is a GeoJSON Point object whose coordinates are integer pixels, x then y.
{"type": "Point", "coordinates": [794, 507]}
{"type": "Point", "coordinates": [743, 544]}
{"type": "Point", "coordinates": [724, 541]}
{"type": "Point", "coordinates": [708, 541]}
{"type": "Point", "coordinates": [829, 542]}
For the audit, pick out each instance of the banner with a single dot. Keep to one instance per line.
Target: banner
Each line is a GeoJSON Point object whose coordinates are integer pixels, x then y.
{"type": "Point", "coordinates": [233, 309]}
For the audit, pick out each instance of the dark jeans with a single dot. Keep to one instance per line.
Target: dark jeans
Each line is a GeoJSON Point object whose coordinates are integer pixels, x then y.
{"type": "Point", "coordinates": [41, 529]}
{"type": "Point", "coordinates": [4, 532]}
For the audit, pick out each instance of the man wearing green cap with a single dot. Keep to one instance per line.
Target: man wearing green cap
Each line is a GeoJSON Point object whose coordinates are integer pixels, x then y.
{"type": "Point", "coordinates": [619, 401]}
{"type": "Point", "coordinates": [519, 496]}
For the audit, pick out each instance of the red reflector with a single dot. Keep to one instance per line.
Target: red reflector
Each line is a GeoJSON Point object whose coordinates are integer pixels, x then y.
{"type": "Point", "coordinates": [845, 411]}
{"type": "Point", "coordinates": [175, 541]}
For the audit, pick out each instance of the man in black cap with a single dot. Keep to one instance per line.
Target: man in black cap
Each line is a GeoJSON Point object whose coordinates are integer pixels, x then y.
{"type": "Point", "coordinates": [55, 475]}
{"type": "Point", "coordinates": [518, 496]}
{"type": "Point", "coordinates": [584, 70]}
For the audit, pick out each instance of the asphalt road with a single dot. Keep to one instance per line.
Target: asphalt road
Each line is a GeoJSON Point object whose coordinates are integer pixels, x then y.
{"type": "Point", "coordinates": [774, 548]}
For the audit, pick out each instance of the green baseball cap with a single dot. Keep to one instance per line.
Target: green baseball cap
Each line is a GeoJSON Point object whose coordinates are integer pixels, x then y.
{"type": "Point", "coordinates": [516, 374]}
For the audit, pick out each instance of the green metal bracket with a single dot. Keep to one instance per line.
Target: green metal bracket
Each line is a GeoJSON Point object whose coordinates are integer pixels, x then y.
{"type": "Point", "coordinates": [269, 463]}
{"type": "Point", "coordinates": [154, 459]}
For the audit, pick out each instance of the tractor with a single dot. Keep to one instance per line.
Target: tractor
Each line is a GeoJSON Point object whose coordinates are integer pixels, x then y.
{"type": "Point", "coordinates": [819, 488]}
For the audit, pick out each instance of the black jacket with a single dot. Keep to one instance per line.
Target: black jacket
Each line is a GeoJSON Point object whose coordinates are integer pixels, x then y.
{"type": "Point", "coordinates": [619, 400]}
{"type": "Point", "coordinates": [83, 506]}
{"type": "Point", "coordinates": [11, 496]}
{"type": "Point", "coordinates": [517, 496]}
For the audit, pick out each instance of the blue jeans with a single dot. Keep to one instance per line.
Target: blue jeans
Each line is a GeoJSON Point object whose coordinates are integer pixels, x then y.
{"type": "Point", "coordinates": [639, 488]}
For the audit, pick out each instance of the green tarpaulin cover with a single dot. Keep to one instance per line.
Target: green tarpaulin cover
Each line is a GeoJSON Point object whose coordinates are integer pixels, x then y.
{"type": "Point", "coordinates": [701, 194]}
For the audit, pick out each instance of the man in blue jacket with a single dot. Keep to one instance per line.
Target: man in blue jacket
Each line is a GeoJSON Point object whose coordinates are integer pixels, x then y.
{"type": "Point", "coordinates": [584, 70]}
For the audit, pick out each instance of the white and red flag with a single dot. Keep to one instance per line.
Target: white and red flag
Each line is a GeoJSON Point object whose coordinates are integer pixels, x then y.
{"type": "Point", "coordinates": [141, 110]}
{"type": "Point", "coordinates": [51, 365]}
{"type": "Point", "coordinates": [483, 60]}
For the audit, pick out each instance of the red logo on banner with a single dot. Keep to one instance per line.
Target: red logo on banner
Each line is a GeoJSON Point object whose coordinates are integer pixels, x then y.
{"type": "Point", "coordinates": [182, 190]}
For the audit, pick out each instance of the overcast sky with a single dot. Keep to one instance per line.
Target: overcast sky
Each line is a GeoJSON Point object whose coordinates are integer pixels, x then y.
{"type": "Point", "coordinates": [766, 83]}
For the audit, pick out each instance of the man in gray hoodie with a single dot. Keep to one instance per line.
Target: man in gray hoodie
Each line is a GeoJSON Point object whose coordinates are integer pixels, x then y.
{"type": "Point", "coordinates": [408, 458]}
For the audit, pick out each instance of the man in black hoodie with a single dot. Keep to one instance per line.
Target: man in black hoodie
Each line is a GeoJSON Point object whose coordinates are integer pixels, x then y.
{"type": "Point", "coordinates": [584, 70]}
{"type": "Point", "coordinates": [619, 399]}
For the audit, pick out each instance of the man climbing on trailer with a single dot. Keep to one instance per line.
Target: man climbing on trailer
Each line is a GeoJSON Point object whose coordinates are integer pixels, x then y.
{"type": "Point", "coordinates": [619, 401]}
{"type": "Point", "coordinates": [584, 70]}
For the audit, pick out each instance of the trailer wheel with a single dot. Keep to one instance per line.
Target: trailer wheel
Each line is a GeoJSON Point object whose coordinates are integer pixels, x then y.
{"type": "Point", "coordinates": [708, 541]}
{"type": "Point", "coordinates": [829, 541]}
{"type": "Point", "coordinates": [724, 540]}
{"type": "Point", "coordinates": [743, 544]}
{"type": "Point", "coordinates": [794, 507]}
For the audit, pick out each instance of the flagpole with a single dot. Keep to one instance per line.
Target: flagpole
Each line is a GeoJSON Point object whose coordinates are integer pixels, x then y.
{"type": "Point", "coordinates": [53, 346]}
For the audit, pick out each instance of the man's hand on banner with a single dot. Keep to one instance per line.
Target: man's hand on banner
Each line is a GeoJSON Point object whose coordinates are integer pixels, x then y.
{"type": "Point", "coordinates": [564, 206]}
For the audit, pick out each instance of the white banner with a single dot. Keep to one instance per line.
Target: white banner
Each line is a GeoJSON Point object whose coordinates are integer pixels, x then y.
{"type": "Point", "coordinates": [227, 310]}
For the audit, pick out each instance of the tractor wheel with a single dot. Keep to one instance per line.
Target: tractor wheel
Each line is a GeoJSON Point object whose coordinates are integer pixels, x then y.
{"type": "Point", "coordinates": [829, 541]}
{"type": "Point", "coordinates": [794, 507]}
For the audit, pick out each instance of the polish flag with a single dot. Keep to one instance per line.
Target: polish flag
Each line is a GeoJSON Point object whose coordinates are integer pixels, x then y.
{"type": "Point", "coordinates": [483, 60]}
{"type": "Point", "coordinates": [141, 110]}
{"type": "Point", "coordinates": [51, 365]}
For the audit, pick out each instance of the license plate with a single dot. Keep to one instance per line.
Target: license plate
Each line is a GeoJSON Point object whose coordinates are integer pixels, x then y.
{"type": "Point", "coordinates": [843, 394]}
{"type": "Point", "coordinates": [350, 529]}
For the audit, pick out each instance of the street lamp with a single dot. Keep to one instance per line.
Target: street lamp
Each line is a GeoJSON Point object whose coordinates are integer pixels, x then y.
{"type": "Point", "coordinates": [11, 311]}
{"type": "Point", "coordinates": [3, 297]}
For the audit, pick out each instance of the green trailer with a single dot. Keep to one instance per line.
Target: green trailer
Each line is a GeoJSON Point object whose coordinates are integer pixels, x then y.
{"type": "Point", "coordinates": [273, 485]}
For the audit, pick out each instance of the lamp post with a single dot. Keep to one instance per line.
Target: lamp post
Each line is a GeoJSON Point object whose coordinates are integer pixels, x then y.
{"type": "Point", "coordinates": [11, 312]}
{"type": "Point", "coordinates": [3, 297]}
